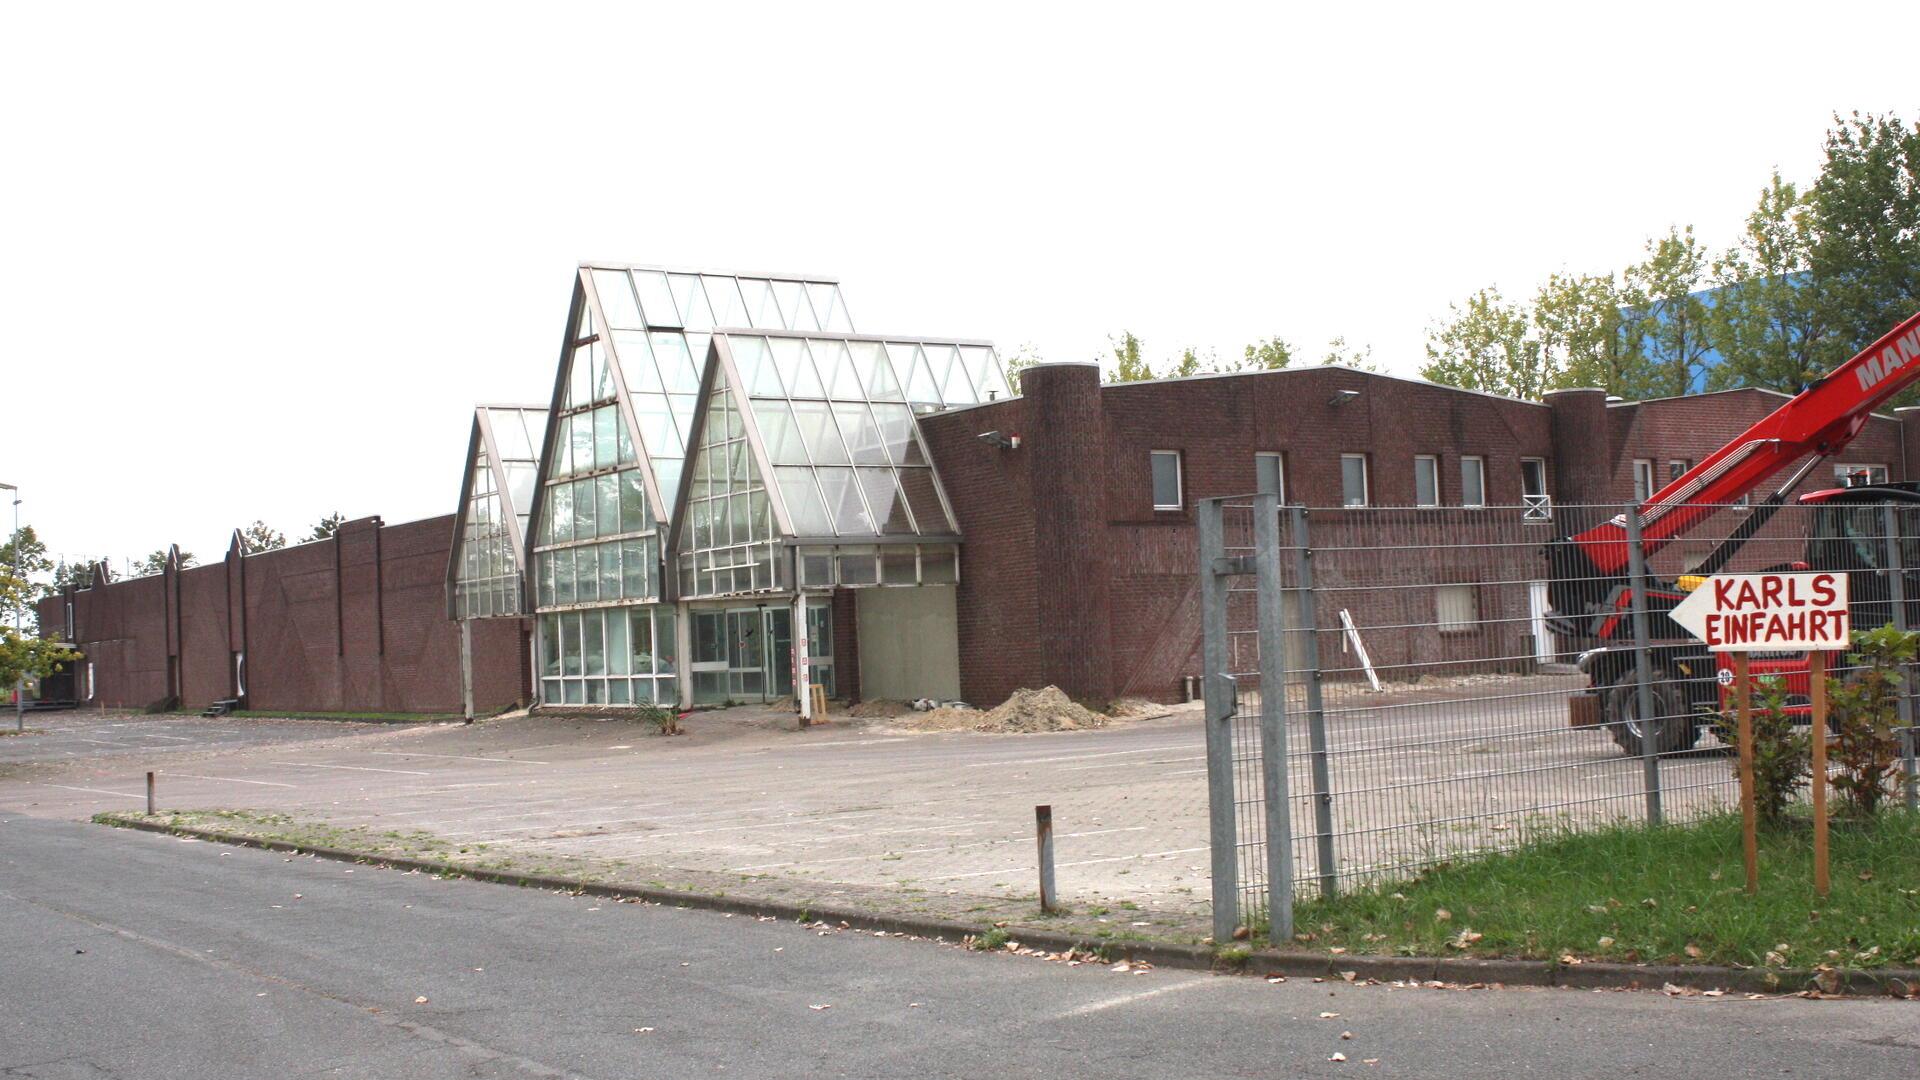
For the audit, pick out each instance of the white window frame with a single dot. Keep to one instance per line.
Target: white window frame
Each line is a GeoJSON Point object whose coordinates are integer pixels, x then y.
{"type": "Point", "coordinates": [1433, 461]}
{"type": "Point", "coordinates": [1179, 480]}
{"type": "Point", "coordinates": [1279, 471]}
{"type": "Point", "coordinates": [1540, 461]}
{"type": "Point", "coordinates": [1472, 594]}
{"type": "Point", "coordinates": [1643, 478]}
{"type": "Point", "coordinates": [1481, 462]}
{"type": "Point", "coordinates": [1677, 468]}
{"type": "Point", "coordinates": [1366, 482]}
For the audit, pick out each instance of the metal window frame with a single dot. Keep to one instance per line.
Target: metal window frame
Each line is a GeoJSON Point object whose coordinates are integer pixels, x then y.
{"type": "Point", "coordinates": [1366, 480]}
{"type": "Point", "coordinates": [481, 440]}
{"type": "Point", "coordinates": [1417, 459]}
{"type": "Point", "coordinates": [1480, 460]}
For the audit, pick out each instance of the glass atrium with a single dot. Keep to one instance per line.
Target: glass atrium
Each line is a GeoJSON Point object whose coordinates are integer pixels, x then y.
{"type": "Point", "coordinates": [723, 452]}
{"type": "Point", "coordinates": [496, 498]}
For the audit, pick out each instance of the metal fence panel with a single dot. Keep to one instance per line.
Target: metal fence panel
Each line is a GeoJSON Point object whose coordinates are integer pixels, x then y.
{"type": "Point", "coordinates": [1426, 691]}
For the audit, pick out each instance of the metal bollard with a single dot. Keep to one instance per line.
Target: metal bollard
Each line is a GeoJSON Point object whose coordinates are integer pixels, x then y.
{"type": "Point", "coordinates": [1043, 832]}
{"type": "Point", "coordinates": [150, 809]}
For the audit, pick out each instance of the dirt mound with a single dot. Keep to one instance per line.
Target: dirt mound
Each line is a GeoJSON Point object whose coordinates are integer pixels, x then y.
{"type": "Point", "coordinates": [879, 709]}
{"type": "Point", "coordinates": [1128, 708]}
{"type": "Point", "coordinates": [1046, 709]}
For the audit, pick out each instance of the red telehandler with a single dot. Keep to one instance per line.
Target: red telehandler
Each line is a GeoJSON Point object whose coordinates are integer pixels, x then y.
{"type": "Point", "coordinates": [1589, 585]}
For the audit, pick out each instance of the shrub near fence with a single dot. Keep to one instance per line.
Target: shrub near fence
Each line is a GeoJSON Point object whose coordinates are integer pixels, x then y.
{"type": "Point", "coordinates": [1430, 691]}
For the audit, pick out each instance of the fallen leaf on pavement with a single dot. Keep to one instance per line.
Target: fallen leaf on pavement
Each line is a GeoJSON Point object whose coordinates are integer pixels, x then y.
{"type": "Point", "coordinates": [818, 1008]}
{"type": "Point", "coordinates": [1346, 1035]}
{"type": "Point", "coordinates": [421, 1000]}
{"type": "Point", "coordinates": [1338, 1057]}
{"type": "Point", "coordinates": [641, 1031]}
{"type": "Point", "coordinates": [1329, 1016]}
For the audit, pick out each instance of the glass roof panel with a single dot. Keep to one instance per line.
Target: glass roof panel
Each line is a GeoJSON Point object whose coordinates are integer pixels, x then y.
{"type": "Point", "coordinates": [837, 317]}
{"type": "Point", "coordinates": [755, 364]}
{"type": "Point", "coordinates": [683, 406]}
{"type": "Point", "coordinates": [655, 298]}
{"type": "Point", "coordinates": [796, 368]}
{"type": "Point", "coordinates": [675, 363]}
{"type": "Point", "coordinates": [844, 505]}
{"type": "Point", "coordinates": [800, 314]}
{"type": "Point", "coordinates": [636, 361]}
{"type": "Point", "coordinates": [787, 295]}
{"type": "Point", "coordinates": [870, 362]}
{"type": "Point", "coordinates": [762, 312]}
{"type": "Point", "coordinates": [911, 365]}
{"type": "Point", "coordinates": [836, 369]}
{"type": "Point", "coordinates": [897, 433]}
{"type": "Point", "coordinates": [884, 497]}
{"type": "Point", "coordinates": [667, 471]}
{"type": "Point", "coordinates": [809, 514]}
{"type": "Point", "coordinates": [779, 432]}
{"type": "Point", "coordinates": [860, 432]}
{"type": "Point", "coordinates": [820, 433]}
{"type": "Point", "coordinates": [695, 313]}
{"type": "Point", "coordinates": [616, 300]}
{"type": "Point", "coordinates": [984, 372]}
{"type": "Point", "coordinates": [955, 388]}
{"type": "Point", "coordinates": [723, 295]}
{"type": "Point", "coordinates": [921, 495]}
{"type": "Point", "coordinates": [657, 428]}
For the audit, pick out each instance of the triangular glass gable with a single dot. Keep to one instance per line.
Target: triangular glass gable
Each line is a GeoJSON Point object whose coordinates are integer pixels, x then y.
{"type": "Point", "coordinates": [728, 539]}
{"type": "Point", "coordinates": [484, 571]}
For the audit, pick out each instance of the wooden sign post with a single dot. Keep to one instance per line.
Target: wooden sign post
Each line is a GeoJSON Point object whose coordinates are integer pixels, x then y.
{"type": "Point", "coordinates": [1742, 613]}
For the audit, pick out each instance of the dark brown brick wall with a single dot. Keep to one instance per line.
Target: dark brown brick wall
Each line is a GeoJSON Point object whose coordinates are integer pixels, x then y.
{"type": "Point", "coordinates": [1048, 581]}
{"type": "Point", "coordinates": [357, 623]}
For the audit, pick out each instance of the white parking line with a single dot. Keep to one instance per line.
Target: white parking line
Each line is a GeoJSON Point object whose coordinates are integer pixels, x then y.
{"type": "Point", "coordinates": [1007, 871]}
{"type": "Point", "coordinates": [350, 768]}
{"type": "Point", "coordinates": [170, 738]}
{"type": "Point", "coordinates": [1129, 999]}
{"type": "Point", "coordinates": [231, 779]}
{"type": "Point", "coordinates": [90, 790]}
{"type": "Point", "coordinates": [1133, 764]}
{"type": "Point", "coordinates": [460, 757]}
{"type": "Point", "coordinates": [1070, 757]}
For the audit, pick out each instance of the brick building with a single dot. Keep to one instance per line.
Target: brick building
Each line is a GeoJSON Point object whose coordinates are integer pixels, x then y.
{"type": "Point", "coordinates": [731, 492]}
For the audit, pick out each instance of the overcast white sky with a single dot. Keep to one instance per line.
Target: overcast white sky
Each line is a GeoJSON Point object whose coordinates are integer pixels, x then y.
{"type": "Point", "coordinates": [260, 260]}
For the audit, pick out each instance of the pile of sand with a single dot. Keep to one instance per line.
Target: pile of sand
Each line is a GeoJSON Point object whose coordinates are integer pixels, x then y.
{"type": "Point", "coordinates": [1046, 709]}
{"type": "Point", "coordinates": [1128, 708]}
{"type": "Point", "coordinates": [879, 709]}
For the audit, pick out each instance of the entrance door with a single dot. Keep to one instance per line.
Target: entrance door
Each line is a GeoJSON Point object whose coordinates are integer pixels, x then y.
{"type": "Point", "coordinates": [709, 663]}
{"type": "Point", "coordinates": [779, 629]}
{"type": "Point", "coordinates": [746, 655]}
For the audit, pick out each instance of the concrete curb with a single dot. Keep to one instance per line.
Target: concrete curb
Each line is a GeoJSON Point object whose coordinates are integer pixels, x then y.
{"type": "Point", "coordinates": [1591, 975]}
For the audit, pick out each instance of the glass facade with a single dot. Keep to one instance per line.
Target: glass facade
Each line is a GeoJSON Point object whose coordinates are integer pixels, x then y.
{"type": "Point", "coordinates": [489, 552]}
{"type": "Point", "coordinates": [609, 656]}
{"type": "Point", "coordinates": [802, 467]}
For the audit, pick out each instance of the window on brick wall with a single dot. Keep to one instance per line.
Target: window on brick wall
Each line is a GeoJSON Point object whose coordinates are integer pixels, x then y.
{"type": "Point", "coordinates": [1353, 479]}
{"type": "Point", "coordinates": [1456, 608]}
{"type": "Point", "coordinates": [1856, 475]}
{"type": "Point", "coordinates": [1426, 480]}
{"type": "Point", "coordinates": [1473, 481]}
{"type": "Point", "coordinates": [1270, 474]}
{"type": "Point", "coordinates": [1642, 479]}
{"type": "Point", "coordinates": [1166, 479]}
{"type": "Point", "coordinates": [1676, 468]}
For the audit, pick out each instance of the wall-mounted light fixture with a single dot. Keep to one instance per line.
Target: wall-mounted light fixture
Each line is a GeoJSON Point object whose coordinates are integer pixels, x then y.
{"type": "Point", "coordinates": [1341, 397]}
{"type": "Point", "coordinates": [995, 438]}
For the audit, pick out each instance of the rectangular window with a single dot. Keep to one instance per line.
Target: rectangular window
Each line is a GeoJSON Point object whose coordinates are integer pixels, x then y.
{"type": "Point", "coordinates": [1353, 479]}
{"type": "Point", "coordinates": [1642, 480]}
{"type": "Point", "coordinates": [1426, 480]}
{"type": "Point", "coordinates": [1270, 475]}
{"type": "Point", "coordinates": [1473, 481]}
{"type": "Point", "coordinates": [1456, 608]}
{"type": "Point", "coordinates": [1858, 474]}
{"type": "Point", "coordinates": [1533, 477]}
{"type": "Point", "coordinates": [1676, 469]}
{"type": "Point", "coordinates": [1166, 479]}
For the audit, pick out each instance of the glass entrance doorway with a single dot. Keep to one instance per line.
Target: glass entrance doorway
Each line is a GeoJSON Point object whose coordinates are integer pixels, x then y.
{"type": "Point", "coordinates": [746, 654]}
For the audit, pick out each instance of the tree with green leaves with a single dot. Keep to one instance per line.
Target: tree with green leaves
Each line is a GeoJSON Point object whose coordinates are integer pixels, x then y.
{"type": "Point", "coordinates": [156, 562]}
{"type": "Point", "coordinates": [259, 537]}
{"type": "Point", "coordinates": [1129, 365]}
{"type": "Point", "coordinates": [1768, 324]}
{"type": "Point", "coordinates": [1488, 345]}
{"type": "Point", "coordinates": [1341, 354]}
{"type": "Point", "coordinates": [1864, 256]}
{"type": "Point", "coordinates": [1577, 321]}
{"type": "Point", "coordinates": [1024, 357]}
{"type": "Point", "coordinates": [1668, 323]}
{"type": "Point", "coordinates": [327, 526]}
{"type": "Point", "coordinates": [24, 654]}
{"type": "Point", "coordinates": [26, 557]}
{"type": "Point", "coordinates": [1270, 354]}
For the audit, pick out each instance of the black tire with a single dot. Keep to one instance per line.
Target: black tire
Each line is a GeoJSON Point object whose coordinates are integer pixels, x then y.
{"type": "Point", "coordinates": [1672, 732]}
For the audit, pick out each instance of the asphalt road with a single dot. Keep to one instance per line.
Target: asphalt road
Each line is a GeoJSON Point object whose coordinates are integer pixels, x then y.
{"type": "Point", "coordinates": [131, 955]}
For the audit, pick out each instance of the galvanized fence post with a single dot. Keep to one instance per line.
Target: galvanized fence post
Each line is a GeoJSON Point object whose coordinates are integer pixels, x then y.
{"type": "Point", "coordinates": [1273, 718]}
{"type": "Point", "coordinates": [1897, 581]}
{"type": "Point", "coordinates": [1316, 705]}
{"type": "Point", "coordinates": [1643, 666]}
{"type": "Point", "coordinates": [1218, 693]}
